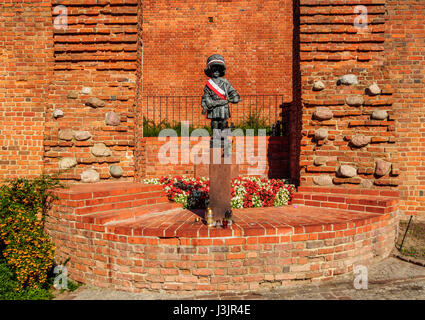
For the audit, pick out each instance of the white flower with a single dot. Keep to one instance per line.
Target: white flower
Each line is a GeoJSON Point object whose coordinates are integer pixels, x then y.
{"type": "Point", "coordinates": [282, 198]}
{"type": "Point", "coordinates": [237, 202]}
{"type": "Point", "coordinates": [152, 181]}
{"type": "Point", "coordinates": [256, 201]}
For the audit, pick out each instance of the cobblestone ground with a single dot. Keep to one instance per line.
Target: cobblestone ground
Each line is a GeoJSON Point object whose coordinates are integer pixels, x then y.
{"type": "Point", "coordinates": [390, 279]}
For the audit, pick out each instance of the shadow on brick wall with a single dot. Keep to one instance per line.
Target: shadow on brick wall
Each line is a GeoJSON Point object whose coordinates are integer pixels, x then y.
{"type": "Point", "coordinates": [295, 107]}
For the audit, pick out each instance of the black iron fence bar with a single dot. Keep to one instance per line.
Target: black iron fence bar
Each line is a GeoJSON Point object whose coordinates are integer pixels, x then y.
{"type": "Point", "coordinates": [157, 108]}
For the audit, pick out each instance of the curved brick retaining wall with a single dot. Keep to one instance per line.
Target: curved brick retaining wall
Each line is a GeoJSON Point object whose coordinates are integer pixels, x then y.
{"type": "Point", "coordinates": [140, 248]}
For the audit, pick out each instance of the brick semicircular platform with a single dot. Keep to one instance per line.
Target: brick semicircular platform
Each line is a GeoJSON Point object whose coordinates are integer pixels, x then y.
{"type": "Point", "coordinates": [127, 236]}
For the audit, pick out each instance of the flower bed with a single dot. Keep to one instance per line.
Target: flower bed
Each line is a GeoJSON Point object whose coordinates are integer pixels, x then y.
{"type": "Point", "coordinates": [247, 192]}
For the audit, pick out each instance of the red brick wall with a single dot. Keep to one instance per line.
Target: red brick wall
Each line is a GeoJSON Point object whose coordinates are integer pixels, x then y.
{"type": "Point", "coordinates": [330, 47]}
{"type": "Point", "coordinates": [138, 116]}
{"type": "Point", "coordinates": [255, 38]}
{"type": "Point", "coordinates": [25, 72]}
{"type": "Point", "coordinates": [275, 159]}
{"type": "Point", "coordinates": [405, 52]}
{"type": "Point", "coordinates": [98, 51]}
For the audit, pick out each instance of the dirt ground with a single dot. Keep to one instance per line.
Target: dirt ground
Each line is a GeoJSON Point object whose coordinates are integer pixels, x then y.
{"type": "Point", "coordinates": [414, 242]}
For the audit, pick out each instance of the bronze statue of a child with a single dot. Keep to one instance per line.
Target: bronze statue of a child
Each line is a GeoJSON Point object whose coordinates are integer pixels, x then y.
{"type": "Point", "coordinates": [218, 92]}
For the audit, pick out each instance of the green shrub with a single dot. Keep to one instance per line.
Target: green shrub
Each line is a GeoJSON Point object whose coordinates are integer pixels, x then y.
{"type": "Point", "coordinates": [152, 129]}
{"type": "Point", "coordinates": [9, 285]}
{"type": "Point", "coordinates": [256, 122]}
{"type": "Point", "coordinates": [26, 249]}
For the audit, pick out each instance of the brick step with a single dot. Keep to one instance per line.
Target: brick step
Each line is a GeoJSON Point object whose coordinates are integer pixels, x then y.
{"type": "Point", "coordinates": [350, 191]}
{"type": "Point", "coordinates": [103, 197]}
{"type": "Point", "coordinates": [144, 219]}
{"type": "Point", "coordinates": [127, 202]}
{"type": "Point", "coordinates": [346, 201]}
{"type": "Point", "coordinates": [81, 191]}
{"type": "Point", "coordinates": [108, 217]}
{"type": "Point", "coordinates": [161, 223]}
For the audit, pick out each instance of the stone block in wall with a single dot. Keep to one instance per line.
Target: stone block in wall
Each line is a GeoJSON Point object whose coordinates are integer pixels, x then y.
{"type": "Point", "coordinates": [360, 140]}
{"type": "Point", "coordinates": [321, 134]}
{"type": "Point", "coordinates": [373, 90]}
{"type": "Point", "coordinates": [366, 183]}
{"type": "Point", "coordinates": [318, 86]}
{"type": "Point", "coordinates": [67, 163]}
{"type": "Point", "coordinates": [95, 103]}
{"type": "Point", "coordinates": [379, 115]}
{"type": "Point", "coordinates": [116, 171]}
{"type": "Point", "coordinates": [82, 135]}
{"type": "Point", "coordinates": [112, 119]}
{"type": "Point", "coordinates": [320, 161]}
{"type": "Point", "coordinates": [66, 134]}
{"type": "Point", "coordinates": [323, 180]}
{"type": "Point", "coordinates": [348, 79]}
{"type": "Point", "coordinates": [90, 176]}
{"type": "Point", "coordinates": [72, 95]}
{"type": "Point", "coordinates": [323, 113]}
{"type": "Point", "coordinates": [57, 113]}
{"type": "Point", "coordinates": [86, 90]}
{"type": "Point", "coordinates": [101, 150]}
{"type": "Point", "coordinates": [382, 167]}
{"type": "Point", "coordinates": [354, 100]}
{"type": "Point", "coordinates": [346, 171]}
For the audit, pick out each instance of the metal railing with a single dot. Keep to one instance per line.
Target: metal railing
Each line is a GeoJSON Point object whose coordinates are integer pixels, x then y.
{"type": "Point", "coordinates": [174, 109]}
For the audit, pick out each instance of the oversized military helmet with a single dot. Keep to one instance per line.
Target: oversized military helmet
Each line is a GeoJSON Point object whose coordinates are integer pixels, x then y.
{"type": "Point", "coordinates": [215, 59]}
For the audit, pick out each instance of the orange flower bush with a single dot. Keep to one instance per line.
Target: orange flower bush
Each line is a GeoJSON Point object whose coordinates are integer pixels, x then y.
{"type": "Point", "coordinates": [24, 245]}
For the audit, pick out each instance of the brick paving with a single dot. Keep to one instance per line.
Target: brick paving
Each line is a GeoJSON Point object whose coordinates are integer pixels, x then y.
{"type": "Point", "coordinates": [252, 222]}
{"type": "Point", "coordinates": [390, 279]}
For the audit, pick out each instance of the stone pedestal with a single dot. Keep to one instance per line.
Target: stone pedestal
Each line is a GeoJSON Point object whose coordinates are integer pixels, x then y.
{"type": "Point", "coordinates": [221, 175]}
